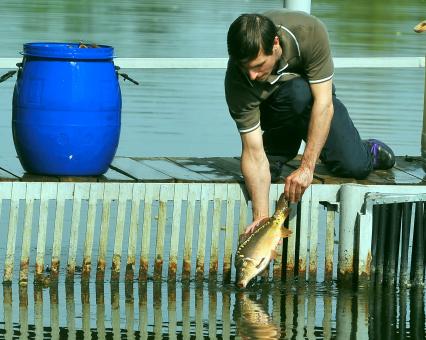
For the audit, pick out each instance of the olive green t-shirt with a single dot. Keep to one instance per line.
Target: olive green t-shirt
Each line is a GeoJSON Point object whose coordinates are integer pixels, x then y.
{"type": "Point", "coordinates": [306, 53]}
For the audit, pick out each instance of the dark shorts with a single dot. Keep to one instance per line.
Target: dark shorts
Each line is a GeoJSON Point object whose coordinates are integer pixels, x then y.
{"type": "Point", "coordinates": [285, 117]}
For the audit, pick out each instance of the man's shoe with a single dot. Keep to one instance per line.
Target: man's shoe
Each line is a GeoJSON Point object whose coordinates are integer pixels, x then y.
{"type": "Point", "coordinates": [383, 156]}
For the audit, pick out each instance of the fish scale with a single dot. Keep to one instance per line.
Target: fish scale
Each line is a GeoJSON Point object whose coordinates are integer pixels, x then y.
{"type": "Point", "coordinates": [256, 251]}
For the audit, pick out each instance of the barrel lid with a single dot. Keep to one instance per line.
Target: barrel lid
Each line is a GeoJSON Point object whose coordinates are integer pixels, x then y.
{"type": "Point", "coordinates": [68, 50]}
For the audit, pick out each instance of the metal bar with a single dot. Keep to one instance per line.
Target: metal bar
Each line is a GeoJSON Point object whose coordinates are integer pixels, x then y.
{"type": "Point", "coordinates": [207, 192]}
{"type": "Point", "coordinates": [124, 196]}
{"type": "Point", "coordinates": [381, 242]}
{"type": "Point", "coordinates": [137, 194]}
{"type": "Point", "coordinates": [220, 63]}
{"type": "Point", "coordinates": [110, 192]}
{"type": "Point", "coordinates": [274, 194]}
{"type": "Point", "coordinates": [65, 192]}
{"type": "Point", "coordinates": [404, 276]}
{"type": "Point", "coordinates": [291, 243]}
{"type": "Point", "coordinates": [18, 193]}
{"type": "Point", "coordinates": [70, 307]}
{"type": "Point", "coordinates": [158, 315]}
{"type": "Point", "coordinates": [96, 193]}
{"type": "Point", "coordinates": [391, 258]}
{"type": "Point", "coordinates": [166, 193]}
{"type": "Point", "coordinates": [417, 258]}
{"type": "Point", "coordinates": [374, 240]}
{"type": "Point", "coordinates": [181, 193]}
{"type": "Point", "coordinates": [48, 192]}
{"type": "Point", "coordinates": [81, 191]}
{"type": "Point", "coordinates": [193, 195]}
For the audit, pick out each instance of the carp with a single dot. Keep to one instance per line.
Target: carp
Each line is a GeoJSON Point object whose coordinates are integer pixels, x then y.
{"type": "Point", "coordinates": [255, 251]}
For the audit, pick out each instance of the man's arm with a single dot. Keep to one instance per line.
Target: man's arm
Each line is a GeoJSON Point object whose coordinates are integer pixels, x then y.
{"type": "Point", "coordinates": [319, 126]}
{"type": "Point", "coordinates": [255, 169]}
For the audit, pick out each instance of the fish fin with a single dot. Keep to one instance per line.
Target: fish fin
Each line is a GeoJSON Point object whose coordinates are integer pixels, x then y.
{"type": "Point", "coordinates": [285, 232]}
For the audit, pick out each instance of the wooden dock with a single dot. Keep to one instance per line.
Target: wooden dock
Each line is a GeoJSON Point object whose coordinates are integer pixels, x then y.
{"type": "Point", "coordinates": [197, 206]}
{"type": "Point", "coordinates": [407, 171]}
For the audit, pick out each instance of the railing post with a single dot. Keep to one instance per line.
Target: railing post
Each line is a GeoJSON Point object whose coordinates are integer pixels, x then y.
{"type": "Point", "coordinates": [298, 5]}
{"type": "Point", "coordinates": [351, 200]}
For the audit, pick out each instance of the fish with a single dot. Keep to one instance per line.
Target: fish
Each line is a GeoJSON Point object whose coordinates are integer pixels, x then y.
{"type": "Point", "coordinates": [252, 320]}
{"type": "Point", "coordinates": [255, 251]}
{"type": "Point", "coordinates": [420, 27]}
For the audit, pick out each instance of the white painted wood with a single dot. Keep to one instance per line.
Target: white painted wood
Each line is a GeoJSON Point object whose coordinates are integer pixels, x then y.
{"type": "Point", "coordinates": [220, 63]}
{"type": "Point", "coordinates": [48, 192]}
{"type": "Point", "coordinates": [181, 194]}
{"type": "Point", "coordinates": [96, 193]}
{"type": "Point", "coordinates": [137, 195]}
{"type": "Point", "coordinates": [194, 194]}
{"type": "Point", "coordinates": [207, 194]}
{"type": "Point", "coordinates": [18, 193]}
{"type": "Point", "coordinates": [232, 196]}
{"type": "Point", "coordinates": [81, 191]}
{"type": "Point", "coordinates": [166, 194]}
{"type": "Point", "coordinates": [219, 196]}
{"type": "Point", "coordinates": [33, 193]}
{"type": "Point", "coordinates": [65, 192]}
{"type": "Point", "coordinates": [111, 191]}
{"type": "Point", "coordinates": [152, 192]}
{"type": "Point", "coordinates": [124, 196]}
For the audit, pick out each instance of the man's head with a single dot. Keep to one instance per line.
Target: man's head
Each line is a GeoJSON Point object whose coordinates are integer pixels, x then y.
{"type": "Point", "coordinates": [253, 44]}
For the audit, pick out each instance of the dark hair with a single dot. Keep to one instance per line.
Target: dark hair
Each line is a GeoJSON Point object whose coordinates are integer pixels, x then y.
{"type": "Point", "coordinates": [248, 34]}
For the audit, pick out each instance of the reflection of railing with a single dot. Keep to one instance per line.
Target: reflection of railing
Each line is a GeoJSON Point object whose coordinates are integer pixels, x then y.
{"type": "Point", "coordinates": [184, 311]}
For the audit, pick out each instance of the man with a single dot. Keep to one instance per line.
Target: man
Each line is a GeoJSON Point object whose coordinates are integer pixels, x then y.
{"type": "Point", "coordinates": [279, 81]}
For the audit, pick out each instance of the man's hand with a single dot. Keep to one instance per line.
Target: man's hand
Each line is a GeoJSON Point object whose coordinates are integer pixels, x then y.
{"type": "Point", "coordinates": [296, 183]}
{"type": "Point", "coordinates": [252, 226]}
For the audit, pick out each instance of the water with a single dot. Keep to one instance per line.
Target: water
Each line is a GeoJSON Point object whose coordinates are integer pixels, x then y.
{"type": "Point", "coordinates": [183, 113]}
{"type": "Point", "coordinates": [189, 311]}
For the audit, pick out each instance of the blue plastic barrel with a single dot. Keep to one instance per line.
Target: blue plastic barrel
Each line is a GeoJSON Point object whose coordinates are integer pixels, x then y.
{"type": "Point", "coordinates": [66, 109]}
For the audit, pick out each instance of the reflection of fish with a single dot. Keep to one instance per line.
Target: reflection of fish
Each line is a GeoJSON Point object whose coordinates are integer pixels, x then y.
{"type": "Point", "coordinates": [256, 251]}
{"type": "Point", "coordinates": [420, 27]}
{"type": "Point", "coordinates": [252, 320]}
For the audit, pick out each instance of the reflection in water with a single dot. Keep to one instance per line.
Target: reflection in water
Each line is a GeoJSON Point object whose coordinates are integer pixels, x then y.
{"type": "Point", "coordinates": [252, 319]}
{"type": "Point", "coordinates": [172, 310]}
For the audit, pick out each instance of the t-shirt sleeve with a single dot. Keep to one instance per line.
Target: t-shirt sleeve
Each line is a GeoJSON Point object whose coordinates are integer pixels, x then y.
{"type": "Point", "coordinates": [319, 63]}
{"type": "Point", "coordinates": [243, 102]}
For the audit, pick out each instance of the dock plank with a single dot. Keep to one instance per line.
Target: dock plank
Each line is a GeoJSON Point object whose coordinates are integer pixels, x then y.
{"type": "Point", "coordinates": [174, 170]}
{"type": "Point", "coordinates": [13, 166]}
{"type": "Point", "coordinates": [205, 168]}
{"type": "Point", "coordinates": [412, 166]}
{"type": "Point", "coordinates": [138, 171]}
{"type": "Point", "coordinates": [114, 176]}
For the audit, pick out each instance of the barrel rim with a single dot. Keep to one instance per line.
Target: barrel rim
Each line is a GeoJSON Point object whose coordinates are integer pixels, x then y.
{"type": "Point", "coordinates": [63, 50]}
